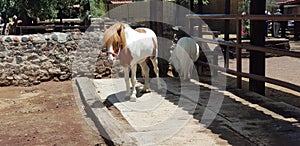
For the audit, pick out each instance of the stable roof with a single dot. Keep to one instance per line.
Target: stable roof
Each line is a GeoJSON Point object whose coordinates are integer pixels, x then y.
{"type": "Point", "coordinates": [120, 1]}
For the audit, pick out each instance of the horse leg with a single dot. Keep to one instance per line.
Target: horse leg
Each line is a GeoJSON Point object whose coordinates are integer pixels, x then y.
{"type": "Point", "coordinates": [145, 70]}
{"type": "Point", "coordinates": [155, 67]}
{"type": "Point", "coordinates": [126, 74]}
{"type": "Point", "coordinates": [133, 82]}
{"type": "Point", "coordinates": [187, 67]}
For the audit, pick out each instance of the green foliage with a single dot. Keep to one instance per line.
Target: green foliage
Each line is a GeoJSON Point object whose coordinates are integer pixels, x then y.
{"type": "Point", "coordinates": [97, 8]}
{"type": "Point", "coordinates": [244, 7]}
{"type": "Point", "coordinates": [205, 2]}
{"type": "Point", "coordinates": [44, 9]}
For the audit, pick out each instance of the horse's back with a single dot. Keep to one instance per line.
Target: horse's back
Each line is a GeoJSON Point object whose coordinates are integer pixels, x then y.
{"type": "Point", "coordinates": [142, 43]}
{"type": "Point", "coordinates": [190, 46]}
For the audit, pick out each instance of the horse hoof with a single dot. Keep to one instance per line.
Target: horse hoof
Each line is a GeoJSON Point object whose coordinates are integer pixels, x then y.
{"type": "Point", "coordinates": [132, 99]}
{"type": "Point", "coordinates": [145, 91]}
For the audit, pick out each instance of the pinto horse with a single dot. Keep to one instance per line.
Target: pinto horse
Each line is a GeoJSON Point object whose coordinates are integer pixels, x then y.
{"type": "Point", "coordinates": [132, 47]}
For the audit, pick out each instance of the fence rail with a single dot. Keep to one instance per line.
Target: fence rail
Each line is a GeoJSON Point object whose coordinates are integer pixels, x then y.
{"type": "Point", "coordinates": [239, 46]}
{"type": "Point", "coordinates": [242, 17]}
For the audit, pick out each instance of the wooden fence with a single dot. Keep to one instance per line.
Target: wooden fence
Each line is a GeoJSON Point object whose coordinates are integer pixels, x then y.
{"type": "Point", "coordinates": [239, 46]}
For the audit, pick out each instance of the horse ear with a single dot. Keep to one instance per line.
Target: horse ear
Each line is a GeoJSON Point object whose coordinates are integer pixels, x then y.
{"type": "Point", "coordinates": [121, 33]}
{"type": "Point", "coordinates": [120, 30]}
{"type": "Point", "coordinates": [105, 27]}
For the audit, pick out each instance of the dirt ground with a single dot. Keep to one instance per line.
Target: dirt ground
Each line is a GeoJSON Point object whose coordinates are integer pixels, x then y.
{"type": "Point", "coordinates": [44, 114]}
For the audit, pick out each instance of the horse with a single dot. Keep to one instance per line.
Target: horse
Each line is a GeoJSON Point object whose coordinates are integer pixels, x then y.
{"type": "Point", "coordinates": [132, 47]}
{"type": "Point", "coordinates": [184, 55]}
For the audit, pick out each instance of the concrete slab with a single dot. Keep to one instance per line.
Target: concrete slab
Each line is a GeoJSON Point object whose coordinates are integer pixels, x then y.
{"type": "Point", "coordinates": [172, 117]}
{"type": "Point", "coordinates": [95, 111]}
{"type": "Point", "coordinates": [156, 120]}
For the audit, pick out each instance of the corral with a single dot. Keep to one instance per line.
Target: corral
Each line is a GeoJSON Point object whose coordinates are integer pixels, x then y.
{"type": "Point", "coordinates": [228, 100]}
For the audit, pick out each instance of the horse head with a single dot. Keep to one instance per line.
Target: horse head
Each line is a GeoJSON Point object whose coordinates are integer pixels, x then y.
{"type": "Point", "coordinates": [114, 40]}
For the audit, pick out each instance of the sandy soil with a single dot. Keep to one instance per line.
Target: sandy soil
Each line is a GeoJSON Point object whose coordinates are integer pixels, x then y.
{"type": "Point", "coordinates": [45, 114]}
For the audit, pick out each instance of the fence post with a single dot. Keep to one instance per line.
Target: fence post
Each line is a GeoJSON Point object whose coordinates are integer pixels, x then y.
{"type": "Point", "coordinates": [257, 58]}
{"type": "Point", "coordinates": [238, 54]}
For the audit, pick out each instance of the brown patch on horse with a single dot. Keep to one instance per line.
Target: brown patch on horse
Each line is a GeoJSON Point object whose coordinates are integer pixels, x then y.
{"type": "Point", "coordinates": [125, 57]}
{"type": "Point", "coordinates": [140, 30]}
{"type": "Point", "coordinates": [154, 49]}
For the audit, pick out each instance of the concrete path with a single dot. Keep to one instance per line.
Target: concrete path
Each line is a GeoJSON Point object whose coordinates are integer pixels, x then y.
{"type": "Point", "coordinates": [191, 113]}
{"type": "Point", "coordinates": [156, 120]}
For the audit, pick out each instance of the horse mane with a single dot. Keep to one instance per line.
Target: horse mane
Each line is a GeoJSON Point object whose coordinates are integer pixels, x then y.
{"type": "Point", "coordinates": [114, 33]}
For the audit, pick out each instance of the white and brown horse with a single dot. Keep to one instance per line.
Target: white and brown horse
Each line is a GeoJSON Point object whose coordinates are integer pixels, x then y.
{"type": "Point", "coordinates": [132, 46]}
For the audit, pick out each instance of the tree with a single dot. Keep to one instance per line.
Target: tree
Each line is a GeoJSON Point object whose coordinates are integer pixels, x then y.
{"type": "Point", "coordinates": [97, 8]}
{"type": "Point", "coordinates": [29, 10]}
{"type": "Point", "coordinates": [244, 9]}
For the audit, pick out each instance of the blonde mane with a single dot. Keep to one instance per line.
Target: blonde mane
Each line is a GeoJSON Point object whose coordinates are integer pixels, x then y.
{"type": "Point", "coordinates": [113, 34]}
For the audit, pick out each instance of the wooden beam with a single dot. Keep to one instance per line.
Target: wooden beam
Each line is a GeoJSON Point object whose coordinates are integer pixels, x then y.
{"type": "Point", "coordinates": [238, 54]}
{"type": "Point", "coordinates": [227, 11]}
{"type": "Point", "coordinates": [107, 126]}
{"type": "Point", "coordinates": [240, 17]}
{"type": "Point", "coordinates": [257, 37]}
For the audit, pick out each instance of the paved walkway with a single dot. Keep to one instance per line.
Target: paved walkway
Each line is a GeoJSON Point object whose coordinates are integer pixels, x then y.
{"type": "Point", "coordinates": [192, 113]}
{"type": "Point", "coordinates": [156, 120]}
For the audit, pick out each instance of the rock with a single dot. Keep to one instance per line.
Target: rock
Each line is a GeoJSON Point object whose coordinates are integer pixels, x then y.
{"type": "Point", "coordinates": [69, 36]}
{"type": "Point", "coordinates": [62, 38]}
{"type": "Point", "coordinates": [36, 82]}
{"type": "Point", "coordinates": [54, 37]}
{"type": "Point", "coordinates": [39, 40]}
{"type": "Point", "coordinates": [46, 65]}
{"type": "Point", "coordinates": [77, 36]}
{"type": "Point", "coordinates": [30, 38]}
{"type": "Point", "coordinates": [64, 77]}
{"type": "Point", "coordinates": [8, 66]}
{"type": "Point", "coordinates": [9, 59]}
{"type": "Point", "coordinates": [3, 48]}
{"type": "Point", "coordinates": [24, 39]}
{"type": "Point", "coordinates": [19, 59]}
{"type": "Point", "coordinates": [9, 78]}
{"type": "Point", "coordinates": [44, 75]}
{"type": "Point", "coordinates": [43, 58]}
{"type": "Point", "coordinates": [30, 46]}
{"type": "Point", "coordinates": [16, 44]}
{"type": "Point", "coordinates": [36, 62]}
{"type": "Point", "coordinates": [2, 55]}
{"type": "Point", "coordinates": [32, 56]}
{"type": "Point", "coordinates": [54, 71]}
{"type": "Point", "coordinates": [16, 39]}
{"type": "Point", "coordinates": [25, 77]}
{"type": "Point", "coordinates": [5, 82]}
{"type": "Point", "coordinates": [55, 79]}
{"type": "Point", "coordinates": [33, 67]}
{"type": "Point", "coordinates": [15, 82]}
{"type": "Point", "coordinates": [8, 39]}
{"type": "Point", "coordinates": [17, 77]}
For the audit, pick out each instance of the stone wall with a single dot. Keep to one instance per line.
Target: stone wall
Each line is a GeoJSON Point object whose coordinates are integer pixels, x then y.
{"type": "Point", "coordinates": [31, 59]}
